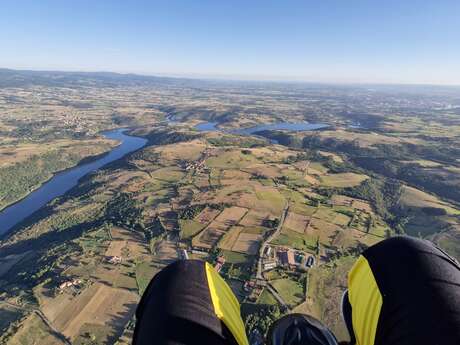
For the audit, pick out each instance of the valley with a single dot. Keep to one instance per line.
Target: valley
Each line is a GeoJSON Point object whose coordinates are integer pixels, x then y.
{"type": "Point", "coordinates": [282, 214]}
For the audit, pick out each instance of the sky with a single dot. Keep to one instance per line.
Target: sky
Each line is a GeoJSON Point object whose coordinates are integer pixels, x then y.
{"type": "Point", "coordinates": [343, 41]}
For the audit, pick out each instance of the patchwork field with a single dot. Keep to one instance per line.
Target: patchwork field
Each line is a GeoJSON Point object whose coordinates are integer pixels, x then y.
{"type": "Point", "coordinates": [107, 296]}
{"type": "Point", "coordinates": [255, 218]}
{"type": "Point", "coordinates": [323, 230]}
{"type": "Point", "coordinates": [99, 304]}
{"type": "Point", "coordinates": [247, 243]}
{"type": "Point", "coordinates": [231, 216]}
{"type": "Point", "coordinates": [296, 222]}
{"type": "Point", "coordinates": [207, 215]}
{"type": "Point", "coordinates": [210, 236]}
{"type": "Point", "coordinates": [229, 239]}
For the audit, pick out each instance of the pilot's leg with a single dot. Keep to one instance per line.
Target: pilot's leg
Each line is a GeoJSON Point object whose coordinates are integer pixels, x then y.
{"type": "Point", "coordinates": [189, 303]}
{"type": "Point", "coordinates": [404, 291]}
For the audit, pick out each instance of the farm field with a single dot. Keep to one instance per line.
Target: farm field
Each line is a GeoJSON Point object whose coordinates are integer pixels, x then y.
{"type": "Point", "coordinates": [292, 291]}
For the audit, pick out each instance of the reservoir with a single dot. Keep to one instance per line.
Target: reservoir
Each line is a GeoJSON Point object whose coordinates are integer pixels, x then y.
{"type": "Point", "coordinates": [287, 126]}
{"type": "Point", "coordinates": [63, 181]}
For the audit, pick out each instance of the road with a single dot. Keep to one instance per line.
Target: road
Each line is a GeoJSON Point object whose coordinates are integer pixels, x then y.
{"type": "Point", "coordinates": [271, 237]}
{"type": "Point", "coordinates": [55, 332]}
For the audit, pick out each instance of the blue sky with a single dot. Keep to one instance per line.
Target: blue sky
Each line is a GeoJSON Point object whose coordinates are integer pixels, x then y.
{"type": "Point", "coordinates": [408, 41]}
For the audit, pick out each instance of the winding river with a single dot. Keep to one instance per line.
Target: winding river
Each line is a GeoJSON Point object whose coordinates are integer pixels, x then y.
{"type": "Point", "coordinates": [63, 181]}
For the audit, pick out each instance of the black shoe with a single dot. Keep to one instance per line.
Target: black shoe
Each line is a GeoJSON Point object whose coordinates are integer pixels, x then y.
{"type": "Point", "coordinates": [299, 329]}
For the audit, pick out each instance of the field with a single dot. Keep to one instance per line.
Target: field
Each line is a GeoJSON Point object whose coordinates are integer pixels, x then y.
{"type": "Point", "coordinates": [229, 239]}
{"type": "Point", "coordinates": [296, 222]}
{"type": "Point", "coordinates": [109, 296]}
{"type": "Point", "coordinates": [292, 291]}
{"type": "Point", "coordinates": [34, 331]}
{"type": "Point", "coordinates": [343, 180]}
{"type": "Point", "coordinates": [99, 304]}
{"type": "Point", "coordinates": [412, 197]}
{"type": "Point", "coordinates": [211, 235]}
{"type": "Point", "coordinates": [247, 243]}
{"type": "Point", "coordinates": [189, 228]}
{"type": "Point", "coordinates": [295, 240]}
{"type": "Point", "coordinates": [323, 230]}
{"type": "Point", "coordinates": [207, 215]}
{"type": "Point", "coordinates": [255, 218]}
{"type": "Point", "coordinates": [267, 298]}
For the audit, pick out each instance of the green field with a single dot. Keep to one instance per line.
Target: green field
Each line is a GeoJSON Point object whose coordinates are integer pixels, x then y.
{"type": "Point", "coordinates": [342, 180]}
{"type": "Point", "coordinates": [267, 298]}
{"type": "Point", "coordinates": [292, 291]}
{"type": "Point", "coordinates": [295, 240]}
{"type": "Point", "coordinates": [144, 273]}
{"type": "Point", "coordinates": [189, 228]}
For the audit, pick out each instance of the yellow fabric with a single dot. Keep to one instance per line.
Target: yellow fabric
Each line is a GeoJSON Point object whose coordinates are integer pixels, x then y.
{"type": "Point", "coordinates": [226, 305]}
{"type": "Point", "coordinates": [365, 300]}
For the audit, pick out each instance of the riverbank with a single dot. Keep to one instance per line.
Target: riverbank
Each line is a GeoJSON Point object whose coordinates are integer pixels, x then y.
{"type": "Point", "coordinates": [62, 167]}
{"type": "Point", "coordinates": [63, 181]}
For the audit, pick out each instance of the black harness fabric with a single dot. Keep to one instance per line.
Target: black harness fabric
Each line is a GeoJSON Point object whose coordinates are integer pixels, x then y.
{"type": "Point", "coordinates": [420, 287]}
{"type": "Point", "coordinates": [176, 308]}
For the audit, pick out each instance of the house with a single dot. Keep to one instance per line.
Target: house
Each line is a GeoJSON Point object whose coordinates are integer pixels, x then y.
{"type": "Point", "coordinates": [69, 283]}
{"type": "Point", "coordinates": [310, 261]}
{"type": "Point", "coordinates": [220, 263]}
{"type": "Point", "coordinates": [249, 285]}
{"type": "Point", "coordinates": [115, 260]}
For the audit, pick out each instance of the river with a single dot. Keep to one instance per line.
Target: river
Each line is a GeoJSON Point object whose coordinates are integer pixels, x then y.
{"type": "Point", "coordinates": [63, 181]}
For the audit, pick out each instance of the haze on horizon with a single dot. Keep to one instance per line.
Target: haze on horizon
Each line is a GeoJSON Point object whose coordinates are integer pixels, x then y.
{"type": "Point", "coordinates": [319, 41]}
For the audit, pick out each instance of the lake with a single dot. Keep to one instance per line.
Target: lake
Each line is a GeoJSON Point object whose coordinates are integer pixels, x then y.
{"type": "Point", "coordinates": [63, 181]}
{"type": "Point", "coordinates": [287, 126]}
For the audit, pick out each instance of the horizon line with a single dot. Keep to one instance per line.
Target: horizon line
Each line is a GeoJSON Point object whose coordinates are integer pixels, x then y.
{"type": "Point", "coordinates": [237, 77]}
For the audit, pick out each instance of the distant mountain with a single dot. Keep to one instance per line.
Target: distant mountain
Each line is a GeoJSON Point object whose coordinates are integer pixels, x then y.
{"type": "Point", "coordinates": [21, 78]}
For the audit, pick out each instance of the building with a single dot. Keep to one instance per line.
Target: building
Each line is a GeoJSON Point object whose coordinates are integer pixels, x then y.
{"type": "Point", "coordinates": [291, 258]}
{"type": "Point", "coordinates": [286, 258]}
{"type": "Point", "coordinates": [69, 283]}
{"type": "Point", "coordinates": [269, 265]}
{"type": "Point", "coordinates": [310, 261]}
{"type": "Point", "coordinates": [268, 251]}
{"type": "Point", "coordinates": [220, 263]}
{"type": "Point", "coordinates": [282, 257]}
{"type": "Point", "coordinates": [249, 285]}
{"type": "Point", "coordinates": [115, 260]}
